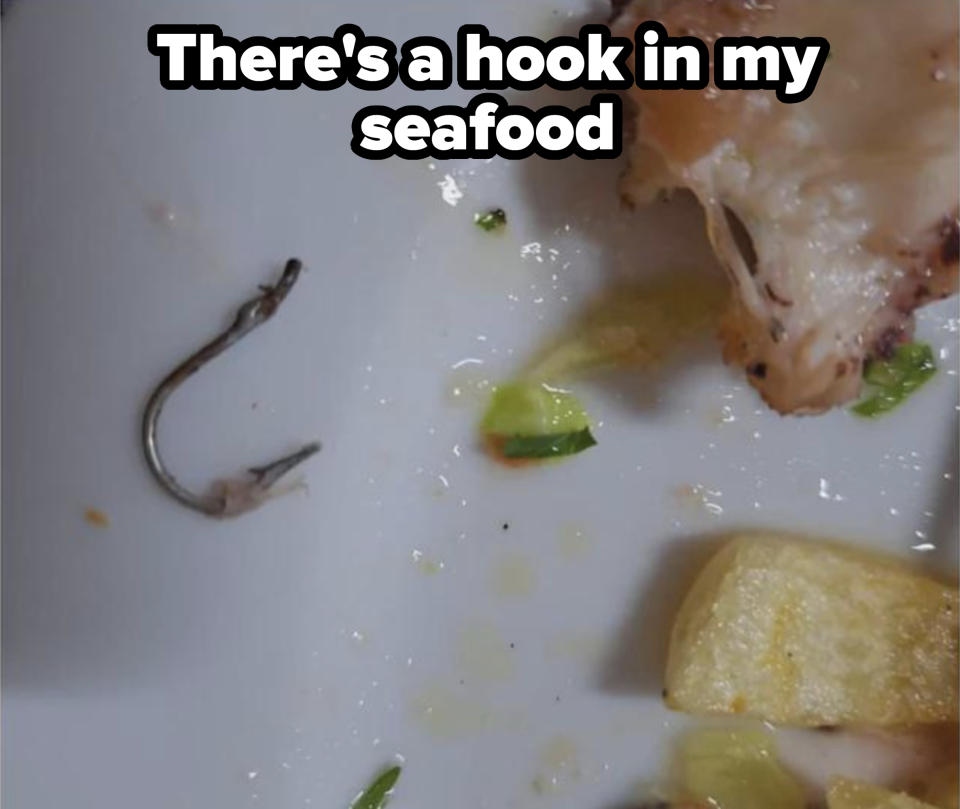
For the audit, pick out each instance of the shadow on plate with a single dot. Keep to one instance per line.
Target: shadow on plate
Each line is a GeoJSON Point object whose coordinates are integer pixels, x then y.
{"type": "Point", "coordinates": [629, 246]}
{"type": "Point", "coordinates": [637, 658]}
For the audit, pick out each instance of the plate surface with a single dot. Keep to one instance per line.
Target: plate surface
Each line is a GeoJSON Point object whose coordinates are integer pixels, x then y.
{"type": "Point", "coordinates": [502, 631]}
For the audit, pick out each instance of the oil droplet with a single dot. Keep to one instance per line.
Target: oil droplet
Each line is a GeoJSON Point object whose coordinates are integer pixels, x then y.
{"type": "Point", "coordinates": [468, 385]}
{"type": "Point", "coordinates": [559, 766]}
{"type": "Point", "coordinates": [483, 655]}
{"type": "Point", "coordinates": [699, 497]}
{"type": "Point", "coordinates": [582, 647]}
{"type": "Point", "coordinates": [572, 541]}
{"type": "Point", "coordinates": [425, 564]}
{"type": "Point", "coordinates": [514, 576]}
{"type": "Point", "coordinates": [448, 715]}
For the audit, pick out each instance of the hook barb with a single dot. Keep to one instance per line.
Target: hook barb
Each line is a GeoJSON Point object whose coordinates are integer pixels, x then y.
{"type": "Point", "coordinates": [228, 497]}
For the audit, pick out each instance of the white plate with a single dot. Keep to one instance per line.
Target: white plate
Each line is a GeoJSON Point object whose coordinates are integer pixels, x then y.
{"type": "Point", "coordinates": [278, 660]}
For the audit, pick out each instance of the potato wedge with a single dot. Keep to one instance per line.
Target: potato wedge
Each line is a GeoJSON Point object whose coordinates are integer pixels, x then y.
{"type": "Point", "coordinates": [845, 793]}
{"type": "Point", "coordinates": [736, 769]}
{"type": "Point", "coordinates": [811, 633]}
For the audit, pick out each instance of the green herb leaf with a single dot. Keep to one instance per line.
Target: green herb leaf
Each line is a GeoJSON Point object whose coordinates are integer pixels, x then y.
{"type": "Point", "coordinates": [890, 382]}
{"type": "Point", "coordinates": [547, 446]}
{"type": "Point", "coordinates": [490, 220]}
{"type": "Point", "coordinates": [375, 796]}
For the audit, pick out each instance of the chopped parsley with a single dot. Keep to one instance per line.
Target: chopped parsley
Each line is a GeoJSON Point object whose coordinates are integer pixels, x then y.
{"type": "Point", "coordinates": [375, 796]}
{"type": "Point", "coordinates": [547, 446]}
{"type": "Point", "coordinates": [494, 219]}
{"type": "Point", "coordinates": [890, 382]}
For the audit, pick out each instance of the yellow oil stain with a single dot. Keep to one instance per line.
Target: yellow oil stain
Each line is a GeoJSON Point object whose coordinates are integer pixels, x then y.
{"type": "Point", "coordinates": [447, 714]}
{"type": "Point", "coordinates": [427, 565]}
{"type": "Point", "coordinates": [483, 654]}
{"type": "Point", "coordinates": [581, 647]}
{"type": "Point", "coordinates": [572, 541]}
{"type": "Point", "coordinates": [468, 384]}
{"type": "Point", "coordinates": [513, 576]}
{"type": "Point", "coordinates": [636, 326]}
{"type": "Point", "coordinates": [559, 766]}
{"type": "Point", "coordinates": [430, 567]}
{"type": "Point", "coordinates": [699, 498]}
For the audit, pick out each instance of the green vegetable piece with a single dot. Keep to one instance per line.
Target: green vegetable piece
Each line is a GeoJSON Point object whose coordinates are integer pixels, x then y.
{"type": "Point", "coordinates": [490, 220]}
{"type": "Point", "coordinates": [533, 409]}
{"type": "Point", "coordinates": [891, 381]}
{"type": "Point", "coordinates": [375, 796]}
{"type": "Point", "coordinates": [536, 421]}
{"type": "Point", "coordinates": [547, 446]}
{"type": "Point", "coordinates": [737, 769]}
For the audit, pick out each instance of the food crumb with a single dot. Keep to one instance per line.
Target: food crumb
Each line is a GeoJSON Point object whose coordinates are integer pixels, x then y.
{"type": "Point", "coordinates": [96, 517]}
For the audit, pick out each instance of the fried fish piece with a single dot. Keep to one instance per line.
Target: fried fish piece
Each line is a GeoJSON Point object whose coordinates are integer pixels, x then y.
{"type": "Point", "coordinates": [835, 217]}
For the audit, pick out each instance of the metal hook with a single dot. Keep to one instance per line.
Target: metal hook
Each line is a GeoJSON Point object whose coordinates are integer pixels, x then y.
{"type": "Point", "coordinates": [225, 498]}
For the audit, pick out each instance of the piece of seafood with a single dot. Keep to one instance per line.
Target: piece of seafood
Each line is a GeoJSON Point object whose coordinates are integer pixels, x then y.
{"type": "Point", "coordinates": [835, 217]}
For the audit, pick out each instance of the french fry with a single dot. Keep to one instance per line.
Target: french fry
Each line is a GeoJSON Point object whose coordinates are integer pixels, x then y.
{"type": "Point", "coordinates": [811, 633]}
{"type": "Point", "coordinates": [845, 793]}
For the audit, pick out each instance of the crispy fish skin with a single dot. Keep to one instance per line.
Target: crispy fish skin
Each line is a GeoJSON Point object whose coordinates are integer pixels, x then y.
{"type": "Point", "coordinates": [835, 217]}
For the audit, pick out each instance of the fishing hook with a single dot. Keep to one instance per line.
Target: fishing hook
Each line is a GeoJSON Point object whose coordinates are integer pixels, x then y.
{"type": "Point", "coordinates": [225, 498]}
